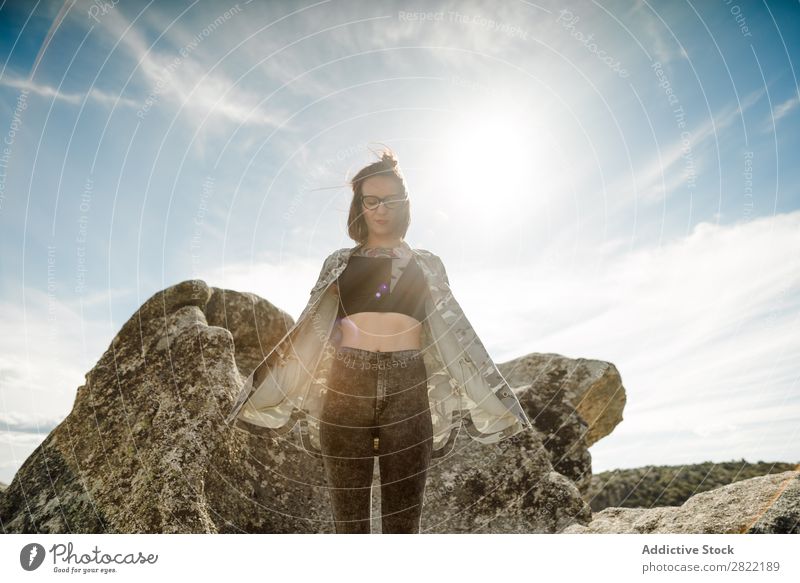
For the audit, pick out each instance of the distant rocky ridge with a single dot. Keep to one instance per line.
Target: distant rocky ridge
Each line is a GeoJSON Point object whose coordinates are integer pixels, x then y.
{"type": "Point", "coordinates": [651, 486]}
{"type": "Point", "coordinates": [144, 448]}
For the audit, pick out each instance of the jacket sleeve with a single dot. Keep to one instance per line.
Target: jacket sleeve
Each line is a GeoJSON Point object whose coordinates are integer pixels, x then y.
{"type": "Point", "coordinates": [442, 270]}
{"type": "Point", "coordinates": [327, 265]}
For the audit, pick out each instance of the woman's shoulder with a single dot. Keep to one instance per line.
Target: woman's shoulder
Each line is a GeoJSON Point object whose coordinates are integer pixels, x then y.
{"type": "Point", "coordinates": [426, 253]}
{"type": "Point", "coordinates": [337, 253]}
{"type": "Point", "coordinates": [434, 261]}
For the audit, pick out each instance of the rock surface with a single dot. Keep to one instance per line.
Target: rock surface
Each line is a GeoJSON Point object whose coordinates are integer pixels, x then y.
{"type": "Point", "coordinates": [144, 448]}
{"type": "Point", "coordinates": [575, 403]}
{"type": "Point", "coordinates": [593, 387]}
{"type": "Point", "coordinates": [255, 324]}
{"type": "Point", "coordinates": [764, 505]}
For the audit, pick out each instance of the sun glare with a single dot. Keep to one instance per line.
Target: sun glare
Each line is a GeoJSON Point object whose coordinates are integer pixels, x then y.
{"type": "Point", "coordinates": [497, 154]}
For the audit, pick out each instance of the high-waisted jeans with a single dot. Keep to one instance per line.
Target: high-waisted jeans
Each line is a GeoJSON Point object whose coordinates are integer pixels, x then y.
{"type": "Point", "coordinates": [376, 405]}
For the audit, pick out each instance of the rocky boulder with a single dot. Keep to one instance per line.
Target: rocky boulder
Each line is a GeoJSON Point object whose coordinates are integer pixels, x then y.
{"type": "Point", "coordinates": [575, 403]}
{"type": "Point", "coordinates": [763, 505]}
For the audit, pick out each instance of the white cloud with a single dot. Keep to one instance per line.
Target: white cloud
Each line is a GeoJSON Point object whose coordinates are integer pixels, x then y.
{"type": "Point", "coordinates": [190, 82]}
{"type": "Point", "coordinates": [783, 109]}
{"type": "Point", "coordinates": [656, 34]}
{"type": "Point", "coordinates": [703, 331]}
{"type": "Point", "coordinates": [44, 362]}
{"type": "Point", "coordinates": [16, 422]}
{"type": "Point", "coordinates": [779, 112]}
{"type": "Point", "coordinates": [45, 90]}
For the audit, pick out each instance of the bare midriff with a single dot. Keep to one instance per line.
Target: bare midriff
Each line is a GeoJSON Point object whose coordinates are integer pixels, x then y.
{"type": "Point", "coordinates": [381, 331]}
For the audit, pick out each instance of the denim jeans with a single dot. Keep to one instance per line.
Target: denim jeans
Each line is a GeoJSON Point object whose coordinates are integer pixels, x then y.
{"type": "Point", "coordinates": [376, 405]}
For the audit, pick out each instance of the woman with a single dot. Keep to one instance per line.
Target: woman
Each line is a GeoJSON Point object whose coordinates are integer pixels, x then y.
{"type": "Point", "coordinates": [382, 361]}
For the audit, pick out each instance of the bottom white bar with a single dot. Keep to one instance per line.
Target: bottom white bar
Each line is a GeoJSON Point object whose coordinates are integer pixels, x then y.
{"type": "Point", "coordinates": [387, 558]}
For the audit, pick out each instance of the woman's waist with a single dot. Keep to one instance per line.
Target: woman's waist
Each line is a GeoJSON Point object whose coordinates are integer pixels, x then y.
{"type": "Point", "coordinates": [377, 323]}
{"type": "Point", "coordinates": [380, 332]}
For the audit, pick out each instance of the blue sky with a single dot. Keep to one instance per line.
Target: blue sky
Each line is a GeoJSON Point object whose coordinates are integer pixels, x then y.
{"type": "Point", "coordinates": [612, 180]}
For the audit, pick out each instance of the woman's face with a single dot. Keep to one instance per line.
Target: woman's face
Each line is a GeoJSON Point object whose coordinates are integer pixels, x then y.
{"type": "Point", "coordinates": [382, 221]}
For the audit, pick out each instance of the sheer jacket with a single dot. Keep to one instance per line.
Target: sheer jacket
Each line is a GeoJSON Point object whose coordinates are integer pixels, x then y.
{"type": "Point", "coordinates": [465, 388]}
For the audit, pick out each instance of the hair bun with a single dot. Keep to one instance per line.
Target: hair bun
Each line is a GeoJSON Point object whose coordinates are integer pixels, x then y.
{"type": "Point", "coordinates": [387, 157]}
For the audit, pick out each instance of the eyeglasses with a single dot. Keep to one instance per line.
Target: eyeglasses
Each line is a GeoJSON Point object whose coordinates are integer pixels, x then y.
{"type": "Point", "coordinates": [372, 202]}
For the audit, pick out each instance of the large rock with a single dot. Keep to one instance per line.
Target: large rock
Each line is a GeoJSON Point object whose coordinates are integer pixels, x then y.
{"type": "Point", "coordinates": [255, 324]}
{"type": "Point", "coordinates": [144, 448]}
{"type": "Point", "coordinates": [593, 387]}
{"type": "Point", "coordinates": [575, 403]}
{"type": "Point", "coordinates": [767, 504]}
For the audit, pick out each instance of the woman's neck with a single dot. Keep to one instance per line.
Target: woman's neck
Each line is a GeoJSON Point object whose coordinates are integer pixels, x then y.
{"type": "Point", "coordinates": [383, 243]}
{"type": "Point", "coordinates": [396, 248]}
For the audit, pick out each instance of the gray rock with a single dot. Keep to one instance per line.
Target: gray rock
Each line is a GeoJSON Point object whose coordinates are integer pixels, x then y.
{"type": "Point", "coordinates": [766, 504]}
{"type": "Point", "coordinates": [255, 324]}
{"type": "Point", "coordinates": [575, 403]}
{"type": "Point", "coordinates": [781, 516]}
{"type": "Point", "coordinates": [144, 448]}
{"type": "Point", "coordinates": [593, 387]}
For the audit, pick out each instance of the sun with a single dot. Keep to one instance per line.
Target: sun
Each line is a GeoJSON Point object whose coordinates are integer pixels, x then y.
{"type": "Point", "coordinates": [497, 154]}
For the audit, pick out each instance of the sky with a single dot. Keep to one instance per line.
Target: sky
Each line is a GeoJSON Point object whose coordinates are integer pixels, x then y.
{"type": "Point", "coordinates": [613, 180]}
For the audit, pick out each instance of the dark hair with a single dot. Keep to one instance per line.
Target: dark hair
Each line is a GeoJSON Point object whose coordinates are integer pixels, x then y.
{"type": "Point", "coordinates": [385, 166]}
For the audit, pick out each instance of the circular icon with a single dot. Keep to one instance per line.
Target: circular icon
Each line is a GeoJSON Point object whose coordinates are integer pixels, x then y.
{"type": "Point", "coordinates": [31, 556]}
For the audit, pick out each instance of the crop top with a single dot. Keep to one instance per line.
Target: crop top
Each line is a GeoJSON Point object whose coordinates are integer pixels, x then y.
{"type": "Point", "coordinates": [382, 284]}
